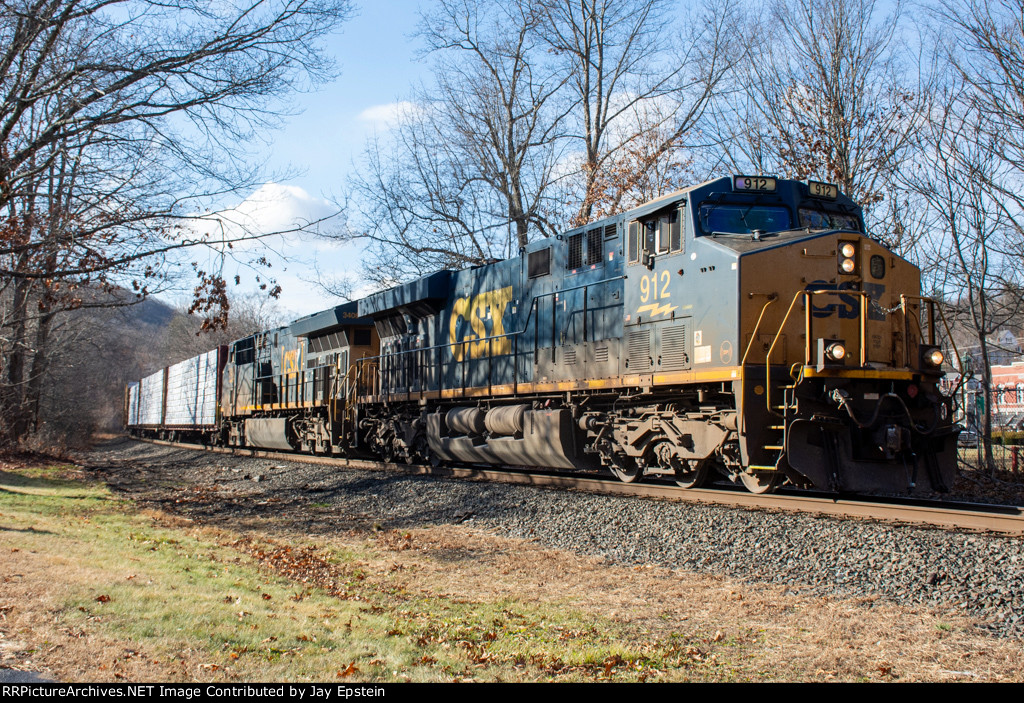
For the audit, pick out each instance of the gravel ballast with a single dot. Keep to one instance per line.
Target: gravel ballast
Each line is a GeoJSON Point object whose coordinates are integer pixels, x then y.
{"type": "Point", "coordinates": [980, 576]}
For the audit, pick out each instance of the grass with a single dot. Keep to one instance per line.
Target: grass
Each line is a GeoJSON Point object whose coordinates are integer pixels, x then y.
{"type": "Point", "coordinates": [157, 597]}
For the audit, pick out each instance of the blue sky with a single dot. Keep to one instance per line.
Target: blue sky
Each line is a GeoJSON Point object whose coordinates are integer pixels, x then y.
{"type": "Point", "coordinates": [378, 62]}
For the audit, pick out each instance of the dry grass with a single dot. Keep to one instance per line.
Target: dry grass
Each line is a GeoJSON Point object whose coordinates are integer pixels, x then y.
{"type": "Point", "coordinates": [95, 589]}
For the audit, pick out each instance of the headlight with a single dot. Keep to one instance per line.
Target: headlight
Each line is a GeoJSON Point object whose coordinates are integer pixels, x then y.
{"type": "Point", "coordinates": [848, 265]}
{"type": "Point", "coordinates": [848, 250]}
{"type": "Point", "coordinates": [831, 353]}
{"type": "Point", "coordinates": [935, 358]}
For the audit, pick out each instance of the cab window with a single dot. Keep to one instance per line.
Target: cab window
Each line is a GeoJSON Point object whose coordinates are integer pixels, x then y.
{"type": "Point", "coordinates": [661, 234]}
{"type": "Point", "coordinates": [744, 219]}
{"type": "Point", "coordinates": [815, 218]}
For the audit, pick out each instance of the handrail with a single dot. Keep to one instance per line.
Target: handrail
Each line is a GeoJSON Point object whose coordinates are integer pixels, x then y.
{"type": "Point", "coordinates": [490, 339]}
{"type": "Point", "coordinates": [743, 361]}
{"type": "Point", "coordinates": [806, 294]}
{"type": "Point", "coordinates": [935, 305]}
{"type": "Point", "coordinates": [768, 356]}
{"type": "Point", "coordinates": [862, 328]}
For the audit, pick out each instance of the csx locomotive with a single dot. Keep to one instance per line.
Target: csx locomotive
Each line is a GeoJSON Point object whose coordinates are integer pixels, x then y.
{"type": "Point", "coordinates": [746, 328]}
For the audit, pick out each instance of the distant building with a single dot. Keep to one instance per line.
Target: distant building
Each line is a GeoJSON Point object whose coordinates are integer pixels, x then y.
{"type": "Point", "coordinates": [1004, 349]}
{"type": "Point", "coordinates": [1008, 395]}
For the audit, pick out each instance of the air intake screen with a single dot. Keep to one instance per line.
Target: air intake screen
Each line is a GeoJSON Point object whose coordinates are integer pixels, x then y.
{"type": "Point", "coordinates": [575, 259]}
{"type": "Point", "coordinates": [539, 263]}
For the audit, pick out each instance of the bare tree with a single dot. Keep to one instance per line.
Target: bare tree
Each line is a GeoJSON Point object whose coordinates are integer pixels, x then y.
{"type": "Point", "coordinates": [969, 230]}
{"type": "Point", "coordinates": [184, 336]}
{"type": "Point", "coordinates": [536, 112]}
{"type": "Point", "coordinates": [121, 124]}
{"type": "Point", "coordinates": [465, 176]}
{"type": "Point", "coordinates": [832, 96]}
{"type": "Point", "coordinates": [641, 73]}
{"type": "Point", "coordinates": [983, 44]}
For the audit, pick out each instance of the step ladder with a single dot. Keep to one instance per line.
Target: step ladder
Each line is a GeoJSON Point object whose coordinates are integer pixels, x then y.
{"type": "Point", "coordinates": [775, 445]}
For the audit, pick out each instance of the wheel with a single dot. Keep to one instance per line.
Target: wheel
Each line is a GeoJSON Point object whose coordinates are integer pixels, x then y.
{"type": "Point", "coordinates": [386, 453]}
{"type": "Point", "coordinates": [694, 473]}
{"type": "Point", "coordinates": [626, 470]}
{"type": "Point", "coordinates": [761, 481]}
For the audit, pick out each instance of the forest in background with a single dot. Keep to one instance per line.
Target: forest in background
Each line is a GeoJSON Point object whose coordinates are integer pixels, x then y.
{"type": "Point", "coordinates": [538, 116]}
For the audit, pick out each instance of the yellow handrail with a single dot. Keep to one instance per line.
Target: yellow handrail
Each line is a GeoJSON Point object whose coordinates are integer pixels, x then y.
{"type": "Point", "coordinates": [768, 356]}
{"type": "Point", "coordinates": [743, 361]}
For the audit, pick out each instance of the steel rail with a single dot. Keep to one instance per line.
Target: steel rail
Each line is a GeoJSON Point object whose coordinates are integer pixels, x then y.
{"type": "Point", "coordinates": [1003, 519]}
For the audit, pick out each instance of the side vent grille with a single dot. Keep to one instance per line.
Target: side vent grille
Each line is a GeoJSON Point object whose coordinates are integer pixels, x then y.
{"type": "Point", "coordinates": [638, 346]}
{"type": "Point", "coordinates": [569, 356]}
{"type": "Point", "coordinates": [673, 349]}
{"type": "Point", "coordinates": [600, 354]}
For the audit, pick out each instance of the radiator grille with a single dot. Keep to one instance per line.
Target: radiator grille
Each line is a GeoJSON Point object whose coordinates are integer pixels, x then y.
{"type": "Point", "coordinates": [639, 348]}
{"type": "Point", "coordinates": [673, 349]}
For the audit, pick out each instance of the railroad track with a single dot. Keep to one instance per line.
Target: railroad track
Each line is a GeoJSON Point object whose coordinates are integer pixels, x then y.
{"type": "Point", "coordinates": [1003, 519]}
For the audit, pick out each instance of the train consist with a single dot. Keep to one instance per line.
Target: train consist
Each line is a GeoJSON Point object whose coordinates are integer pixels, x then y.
{"type": "Point", "coordinates": [746, 328]}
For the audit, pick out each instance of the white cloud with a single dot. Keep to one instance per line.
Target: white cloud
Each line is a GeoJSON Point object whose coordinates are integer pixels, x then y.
{"type": "Point", "coordinates": [277, 225]}
{"type": "Point", "coordinates": [273, 209]}
{"type": "Point", "coordinates": [387, 115]}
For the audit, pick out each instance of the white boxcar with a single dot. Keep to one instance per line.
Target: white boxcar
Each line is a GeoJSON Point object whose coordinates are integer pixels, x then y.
{"type": "Point", "coordinates": [132, 406]}
{"type": "Point", "coordinates": [193, 389]}
{"type": "Point", "coordinates": [151, 399]}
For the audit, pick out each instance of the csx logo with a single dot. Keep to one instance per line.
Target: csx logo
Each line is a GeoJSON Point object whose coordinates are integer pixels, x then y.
{"type": "Point", "coordinates": [478, 311]}
{"type": "Point", "coordinates": [289, 361]}
{"type": "Point", "coordinates": [848, 306]}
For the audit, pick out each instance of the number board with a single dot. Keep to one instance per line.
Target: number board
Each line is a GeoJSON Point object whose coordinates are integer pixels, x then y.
{"type": "Point", "coordinates": [817, 189]}
{"type": "Point", "coordinates": [764, 184]}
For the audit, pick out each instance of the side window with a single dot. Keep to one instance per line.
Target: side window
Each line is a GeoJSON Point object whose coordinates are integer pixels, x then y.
{"type": "Point", "coordinates": [643, 239]}
{"type": "Point", "coordinates": [676, 233]}
{"type": "Point", "coordinates": [665, 232]}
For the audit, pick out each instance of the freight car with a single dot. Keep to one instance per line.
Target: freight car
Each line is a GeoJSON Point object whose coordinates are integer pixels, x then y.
{"type": "Point", "coordinates": [746, 328]}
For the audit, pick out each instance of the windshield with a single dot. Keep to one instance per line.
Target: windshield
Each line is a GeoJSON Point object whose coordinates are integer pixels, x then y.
{"type": "Point", "coordinates": [744, 219]}
{"type": "Point", "coordinates": [822, 219]}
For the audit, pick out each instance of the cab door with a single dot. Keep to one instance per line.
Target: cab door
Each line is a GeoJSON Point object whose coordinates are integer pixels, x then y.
{"type": "Point", "coordinates": [658, 337]}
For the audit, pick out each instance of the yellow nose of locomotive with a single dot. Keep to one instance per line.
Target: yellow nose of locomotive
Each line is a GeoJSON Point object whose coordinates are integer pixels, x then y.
{"type": "Point", "coordinates": [843, 293]}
